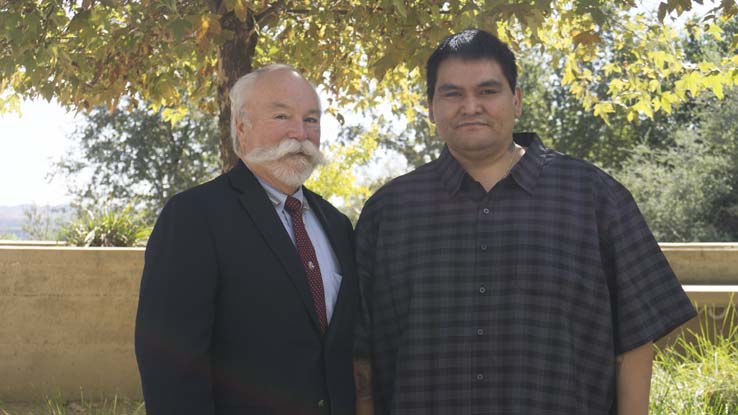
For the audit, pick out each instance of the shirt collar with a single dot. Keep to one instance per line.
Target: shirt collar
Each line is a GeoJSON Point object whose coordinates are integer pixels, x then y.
{"type": "Point", "coordinates": [278, 197]}
{"type": "Point", "coordinates": [525, 172]}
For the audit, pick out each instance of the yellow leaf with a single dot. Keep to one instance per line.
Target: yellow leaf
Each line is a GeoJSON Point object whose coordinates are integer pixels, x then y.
{"type": "Point", "coordinates": [611, 68]}
{"type": "Point", "coordinates": [716, 84]}
{"type": "Point", "coordinates": [656, 104]}
{"type": "Point", "coordinates": [706, 66]}
{"type": "Point", "coordinates": [659, 58]}
{"type": "Point", "coordinates": [654, 85]}
{"type": "Point", "coordinates": [716, 31]}
{"type": "Point", "coordinates": [644, 106]}
{"type": "Point", "coordinates": [689, 82]}
{"type": "Point", "coordinates": [569, 75]}
{"type": "Point", "coordinates": [602, 109]}
{"type": "Point", "coordinates": [616, 86]}
{"type": "Point", "coordinates": [667, 99]}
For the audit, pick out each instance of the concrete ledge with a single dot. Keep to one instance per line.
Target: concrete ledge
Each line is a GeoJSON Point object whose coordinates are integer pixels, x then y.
{"type": "Point", "coordinates": [717, 295]}
{"type": "Point", "coordinates": [711, 302]}
{"type": "Point", "coordinates": [703, 263]}
{"type": "Point", "coordinates": [11, 242]}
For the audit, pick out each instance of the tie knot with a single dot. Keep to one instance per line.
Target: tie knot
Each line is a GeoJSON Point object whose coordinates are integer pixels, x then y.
{"type": "Point", "coordinates": [292, 205]}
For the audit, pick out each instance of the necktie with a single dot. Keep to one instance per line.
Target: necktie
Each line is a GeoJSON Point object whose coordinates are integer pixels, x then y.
{"type": "Point", "coordinates": [309, 260]}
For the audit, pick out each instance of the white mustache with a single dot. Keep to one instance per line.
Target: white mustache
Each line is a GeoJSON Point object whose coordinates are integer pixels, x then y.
{"type": "Point", "coordinates": [285, 148]}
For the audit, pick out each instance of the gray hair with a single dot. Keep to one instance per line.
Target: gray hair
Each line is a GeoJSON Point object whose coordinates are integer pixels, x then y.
{"type": "Point", "coordinates": [239, 93]}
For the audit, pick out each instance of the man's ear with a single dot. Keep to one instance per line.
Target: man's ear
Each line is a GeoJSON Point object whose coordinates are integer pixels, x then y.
{"type": "Point", "coordinates": [240, 133]}
{"type": "Point", "coordinates": [430, 111]}
{"type": "Point", "coordinates": [518, 101]}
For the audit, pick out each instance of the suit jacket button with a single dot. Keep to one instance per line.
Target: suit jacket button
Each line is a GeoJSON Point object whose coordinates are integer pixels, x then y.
{"type": "Point", "coordinates": [321, 403]}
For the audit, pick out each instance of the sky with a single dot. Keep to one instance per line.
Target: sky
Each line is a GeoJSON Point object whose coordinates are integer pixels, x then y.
{"type": "Point", "coordinates": [31, 142]}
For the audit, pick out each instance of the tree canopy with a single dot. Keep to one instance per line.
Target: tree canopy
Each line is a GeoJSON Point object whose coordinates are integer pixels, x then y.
{"type": "Point", "coordinates": [137, 158]}
{"type": "Point", "coordinates": [175, 54]}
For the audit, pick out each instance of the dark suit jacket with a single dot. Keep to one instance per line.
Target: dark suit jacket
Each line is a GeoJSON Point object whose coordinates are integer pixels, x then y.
{"type": "Point", "coordinates": [226, 323]}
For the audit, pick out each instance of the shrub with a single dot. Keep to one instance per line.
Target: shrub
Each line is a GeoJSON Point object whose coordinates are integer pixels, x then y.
{"type": "Point", "coordinates": [680, 189]}
{"type": "Point", "coordinates": [106, 226]}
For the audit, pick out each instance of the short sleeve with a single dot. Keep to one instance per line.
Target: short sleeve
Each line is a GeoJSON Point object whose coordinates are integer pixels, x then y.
{"type": "Point", "coordinates": [647, 299]}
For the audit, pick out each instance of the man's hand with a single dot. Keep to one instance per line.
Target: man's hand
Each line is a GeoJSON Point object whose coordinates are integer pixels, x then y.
{"type": "Point", "coordinates": [634, 380]}
{"type": "Point", "coordinates": [363, 384]}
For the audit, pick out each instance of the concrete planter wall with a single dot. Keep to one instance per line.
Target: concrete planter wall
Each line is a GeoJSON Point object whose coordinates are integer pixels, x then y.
{"type": "Point", "coordinates": [66, 322]}
{"type": "Point", "coordinates": [67, 314]}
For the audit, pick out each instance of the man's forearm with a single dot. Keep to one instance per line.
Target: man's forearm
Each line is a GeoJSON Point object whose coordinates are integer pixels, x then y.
{"type": "Point", "coordinates": [634, 380]}
{"type": "Point", "coordinates": [363, 384]}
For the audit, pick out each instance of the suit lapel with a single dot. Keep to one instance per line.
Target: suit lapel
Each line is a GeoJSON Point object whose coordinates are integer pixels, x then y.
{"type": "Point", "coordinates": [340, 247]}
{"type": "Point", "coordinates": [256, 202]}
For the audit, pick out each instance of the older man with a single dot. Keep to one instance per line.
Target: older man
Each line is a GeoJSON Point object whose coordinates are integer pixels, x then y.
{"type": "Point", "coordinates": [247, 300]}
{"type": "Point", "coordinates": [504, 277]}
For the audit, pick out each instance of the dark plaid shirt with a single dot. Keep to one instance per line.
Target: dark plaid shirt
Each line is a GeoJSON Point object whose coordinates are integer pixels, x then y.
{"type": "Point", "coordinates": [515, 301]}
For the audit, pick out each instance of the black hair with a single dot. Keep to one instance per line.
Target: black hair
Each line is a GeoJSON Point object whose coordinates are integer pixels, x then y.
{"type": "Point", "coordinates": [471, 44]}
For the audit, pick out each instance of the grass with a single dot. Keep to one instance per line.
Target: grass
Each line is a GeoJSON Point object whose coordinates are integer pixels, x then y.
{"type": "Point", "coordinates": [696, 375]}
{"type": "Point", "coordinates": [56, 405]}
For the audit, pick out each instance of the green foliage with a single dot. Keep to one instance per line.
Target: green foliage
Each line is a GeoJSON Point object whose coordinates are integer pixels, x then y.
{"type": "Point", "coordinates": [93, 53]}
{"type": "Point", "coordinates": [338, 181]}
{"type": "Point", "coordinates": [679, 188]}
{"type": "Point", "coordinates": [125, 155]}
{"type": "Point", "coordinates": [698, 374]}
{"type": "Point", "coordinates": [562, 121]}
{"type": "Point", "coordinates": [41, 223]}
{"type": "Point", "coordinates": [687, 189]}
{"type": "Point", "coordinates": [107, 226]}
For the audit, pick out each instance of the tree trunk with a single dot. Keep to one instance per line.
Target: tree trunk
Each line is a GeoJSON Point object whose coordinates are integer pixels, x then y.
{"type": "Point", "coordinates": [235, 59]}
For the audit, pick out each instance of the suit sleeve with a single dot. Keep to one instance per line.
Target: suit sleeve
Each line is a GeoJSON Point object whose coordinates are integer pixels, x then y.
{"type": "Point", "coordinates": [175, 312]}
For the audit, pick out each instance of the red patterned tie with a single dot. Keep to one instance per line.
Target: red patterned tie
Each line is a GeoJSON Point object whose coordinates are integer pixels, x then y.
{"type": "Point", "coordinates": [309, 260]}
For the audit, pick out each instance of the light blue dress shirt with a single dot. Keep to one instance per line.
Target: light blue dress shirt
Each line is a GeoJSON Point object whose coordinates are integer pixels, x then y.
{"type": "Point", "coordinates": [329, 269]}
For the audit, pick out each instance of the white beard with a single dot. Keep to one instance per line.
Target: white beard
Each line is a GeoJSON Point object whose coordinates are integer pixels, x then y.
{"type": "Point", "coordinates": [291, 161]}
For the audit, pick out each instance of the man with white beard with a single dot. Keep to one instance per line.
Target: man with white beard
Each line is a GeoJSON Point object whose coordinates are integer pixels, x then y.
{"type": "Point", "coordinates": [248, 295]}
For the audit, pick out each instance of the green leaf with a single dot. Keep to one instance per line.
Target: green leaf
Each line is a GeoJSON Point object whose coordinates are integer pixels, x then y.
{"type": "Point", "coordinates": [400, 8]}
{"type": "Point", "coordinates": [180, 28]}
{"type": "Point", "coordinates": [80, 21]}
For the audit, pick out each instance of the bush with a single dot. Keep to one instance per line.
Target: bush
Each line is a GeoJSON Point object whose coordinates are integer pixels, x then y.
{"type": "Point", "coordinates": [106, 226]}
{"type": "Point", "coordinates": [680, 189]}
